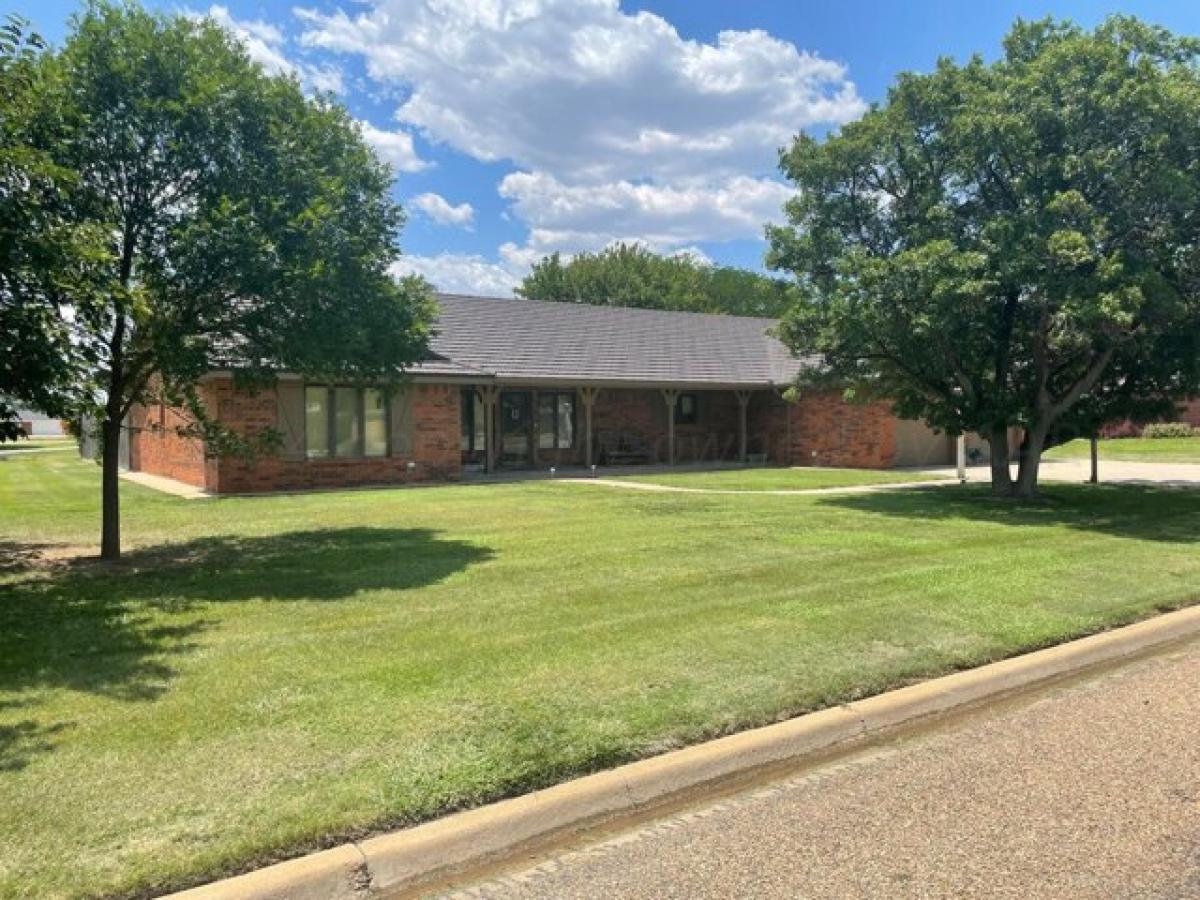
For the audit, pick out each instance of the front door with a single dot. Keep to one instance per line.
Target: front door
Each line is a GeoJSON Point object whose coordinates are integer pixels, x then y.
{"type": "Point", "coordinates": [516, 428]}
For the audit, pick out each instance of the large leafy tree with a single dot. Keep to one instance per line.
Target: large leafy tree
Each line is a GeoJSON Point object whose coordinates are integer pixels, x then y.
{"type": "Point", "coordinates": [631, 275]}
{"type": "Point", "coordinates": [1010, 244]}
{"type": "Point", "coordinates": [247, 226]}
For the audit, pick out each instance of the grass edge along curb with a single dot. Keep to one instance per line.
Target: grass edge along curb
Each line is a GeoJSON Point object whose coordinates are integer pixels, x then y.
{"type": "Point", "coordinates": [408, 858]}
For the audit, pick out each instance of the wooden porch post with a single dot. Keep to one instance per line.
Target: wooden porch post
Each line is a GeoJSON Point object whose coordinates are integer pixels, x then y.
{"type": "Point", "coordinates": [670, 395]}
{"type": "Point", "coordinates": [535, 427]}
{"type": "Point", "coordinates": [743, 399]}
{"type": "Point", "coordinates": [489, 394]}
{"type": "Point", "coordinates": [587, 396]}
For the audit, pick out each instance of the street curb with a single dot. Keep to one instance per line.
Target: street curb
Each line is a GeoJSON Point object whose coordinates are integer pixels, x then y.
{"type": "Point", "coordinates": [404, 860]}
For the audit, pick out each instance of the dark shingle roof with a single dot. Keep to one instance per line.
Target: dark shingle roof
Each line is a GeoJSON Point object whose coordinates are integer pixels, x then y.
{"type": "Point", "coordinates": [529, 340]}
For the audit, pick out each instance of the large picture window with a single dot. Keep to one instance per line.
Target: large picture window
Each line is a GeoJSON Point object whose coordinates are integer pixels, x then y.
{"type": "Point", "coordinates": [345, 422]}
{"type": "Point", "coordinates": [556, 421]}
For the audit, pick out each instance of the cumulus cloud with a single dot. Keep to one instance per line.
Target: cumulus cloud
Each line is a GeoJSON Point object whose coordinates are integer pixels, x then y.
{"type": "Point", "coordinates": [266, 44]}
{"type": "Point", "coordinates": [620, 128]}
{"type": "Point", "coordinates": [462, 273]}
{"type": "Point", "coordinates": [394, 147]}
{"type": "Point", "coordinates": [664, 217]}
{"type": "Point", "coordinates": [436, 207]}
{"type": "Point", "coordinates": [582, 87]}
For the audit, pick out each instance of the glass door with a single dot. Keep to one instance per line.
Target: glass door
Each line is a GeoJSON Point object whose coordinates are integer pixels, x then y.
{"type": "Point", "coordinates": [516, 427]}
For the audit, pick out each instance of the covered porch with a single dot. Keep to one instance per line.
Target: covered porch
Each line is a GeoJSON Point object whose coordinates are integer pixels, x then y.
{"type": "Point", "coordinates": [528, 426]}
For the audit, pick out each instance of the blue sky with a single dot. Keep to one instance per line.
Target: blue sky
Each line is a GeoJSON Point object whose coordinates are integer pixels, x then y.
{"type": "Point", "coordinates": [522, 127]}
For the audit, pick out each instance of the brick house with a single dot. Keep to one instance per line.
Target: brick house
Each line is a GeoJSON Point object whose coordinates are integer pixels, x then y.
{"type": "Point", "coordinates": [521, 384]}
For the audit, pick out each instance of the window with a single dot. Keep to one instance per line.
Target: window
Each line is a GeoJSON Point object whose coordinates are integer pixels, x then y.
{"type": "Point", "coordinates": [556, 421]}
{"type": "Point", "coordinates": [316, 422]}
{"type": "Point", "coordinates": [687, 409]}
{"type": "Point", "coordinates": [345, 422]}
{"type": "Point", "coordinates": [375, 436]}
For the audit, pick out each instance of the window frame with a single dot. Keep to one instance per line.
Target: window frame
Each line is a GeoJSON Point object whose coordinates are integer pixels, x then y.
{"type": "Point", "coordinates": [387, 423]}
{"type": "Point", "coordinates": [359, 421]}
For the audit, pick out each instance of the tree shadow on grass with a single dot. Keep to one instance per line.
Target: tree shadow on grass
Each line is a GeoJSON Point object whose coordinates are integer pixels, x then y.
{"type": "Point", "coordinates": [112, 629]}
{"type": "Point", "coordinates": [1129, 511]}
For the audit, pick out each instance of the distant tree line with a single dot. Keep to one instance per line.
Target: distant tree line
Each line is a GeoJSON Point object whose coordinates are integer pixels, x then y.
{"type": "Point", "coordinates": [631, 275]}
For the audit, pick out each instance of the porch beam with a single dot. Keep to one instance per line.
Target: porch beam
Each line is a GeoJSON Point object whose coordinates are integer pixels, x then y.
{"type": "Point", "coordinates": [743, 399]}
{"type": "Point", "coordinates": [670, 395]}
{"type": "Point", "coordinates": [587, 396]}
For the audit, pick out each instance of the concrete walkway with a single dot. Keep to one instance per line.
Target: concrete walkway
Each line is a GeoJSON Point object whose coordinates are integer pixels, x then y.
{"type": "Point", "coordinates": [166, 485]}
{"type": "Point", "coordinates": [1117, 472]}
{"type": "Point", "coordinates": [901, 482]}
{"type": "Point", "coordinates": [1084, 790]}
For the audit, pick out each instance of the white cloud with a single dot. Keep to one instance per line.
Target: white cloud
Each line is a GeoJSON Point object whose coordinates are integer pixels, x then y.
{"type": "Point", "coordinates": [462, 273]}
{"type": "Point", "coordinates": [325, 77]}
{"type": "Point", "coordinates": [263, 41]}
{"type": "Point", "coordinates": [621, 128]}
{"type": "Point", "coordinates": [266, 45]}
{"type": "Point", "coordinates": [394, 147]}
{"type": "Point", "coordinates": [665, 218]}
{"type": "Point", "coordinates": [586, 91]}
{"type": "Point", "coordinates": [441, 211]}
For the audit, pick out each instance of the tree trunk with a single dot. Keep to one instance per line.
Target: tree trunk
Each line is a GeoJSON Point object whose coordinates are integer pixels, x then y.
{"type": "Point", "coordinates": [110, 498]}
{"type": "Point", "coordinates": [1031, 459]}
{"type": "Point", "coordinates": [1002, 483]}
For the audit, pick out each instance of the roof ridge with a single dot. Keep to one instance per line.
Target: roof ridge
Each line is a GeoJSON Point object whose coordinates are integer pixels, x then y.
{"type": "Point", "coordinates": [632, 310]}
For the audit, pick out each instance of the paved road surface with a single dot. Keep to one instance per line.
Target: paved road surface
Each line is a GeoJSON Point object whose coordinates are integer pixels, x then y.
{"type": "Point", "coordinates": [1086, 790]}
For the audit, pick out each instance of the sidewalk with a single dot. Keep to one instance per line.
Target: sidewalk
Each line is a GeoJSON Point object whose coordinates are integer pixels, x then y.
{"type": "Point", "coordinates": [166, 485]}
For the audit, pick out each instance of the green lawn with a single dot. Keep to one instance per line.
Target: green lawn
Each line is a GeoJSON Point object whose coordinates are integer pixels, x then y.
{"type": "Point", "coordinates": [265, 675]}
{"type": "Point", "coordinates": [1167, 450]}
{"type": "Point", "coordinates": [775, 479]}
{"type": "Point", "coordinates": [39, 443]}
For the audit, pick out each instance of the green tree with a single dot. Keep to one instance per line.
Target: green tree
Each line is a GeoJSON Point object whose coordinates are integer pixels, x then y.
{"type": "Point", "coordinates": [42, 254]}
{"type": "Point", "coordinates": [249, 227]}
{"type": "Point", "coordinates": [631, 275]}
{"type": "Point", "coordinates": [1013, 243]}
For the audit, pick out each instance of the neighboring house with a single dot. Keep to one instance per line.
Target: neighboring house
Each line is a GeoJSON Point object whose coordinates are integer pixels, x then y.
{"type": "Point", "coordinates": [38, 424]}
{"type": "Point", "coordinates": [518, 384]}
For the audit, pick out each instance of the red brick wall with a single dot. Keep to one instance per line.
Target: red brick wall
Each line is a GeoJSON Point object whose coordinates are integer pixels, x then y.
{"type": "Point", "coordinates": [435, 449]}
{"type": "Point", "coordinates": [1189, 411]}
{"type": "Point", "coordinates": [821, 429]}
{"type": "Point", "coordinates": [156, 447]}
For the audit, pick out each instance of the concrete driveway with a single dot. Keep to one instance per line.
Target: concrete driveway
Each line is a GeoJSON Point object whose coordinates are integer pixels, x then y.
{"type": "Point", "coordinates": [1089, 789]}
{"type": "Point", "coordinates": [1111, 472]}
{"type": "Point", "coordinates": [1115, 472]}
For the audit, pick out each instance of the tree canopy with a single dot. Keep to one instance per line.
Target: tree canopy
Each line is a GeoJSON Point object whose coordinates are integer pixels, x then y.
{"type": "Point", "coordinates": [631, 275]}
{"type": "Point", "coordinates": [1009, 244]}
{"type": "Point", "coordinates": [245, 226]}
{"type": "Point", "coordinates": [42, 253]}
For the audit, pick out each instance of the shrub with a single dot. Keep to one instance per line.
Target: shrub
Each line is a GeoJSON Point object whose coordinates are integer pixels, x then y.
{"type": "Point", "coordinates": [1169, 430]}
